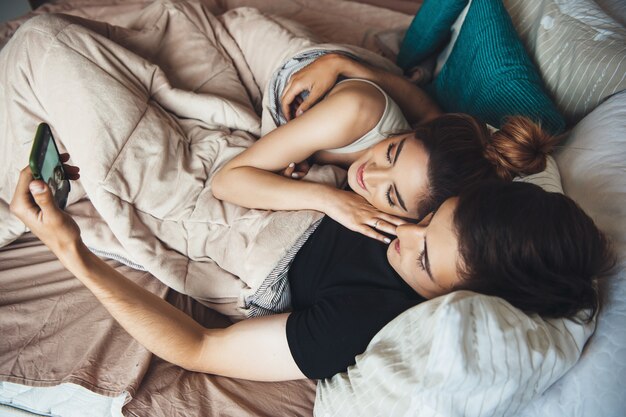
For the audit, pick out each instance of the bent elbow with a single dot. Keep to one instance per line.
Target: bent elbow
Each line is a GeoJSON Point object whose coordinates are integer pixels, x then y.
{"type": "Point", "coordinates": [192, 364]}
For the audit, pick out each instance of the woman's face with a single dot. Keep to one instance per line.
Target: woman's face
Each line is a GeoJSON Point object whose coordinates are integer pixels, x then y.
{"type": "Point", "coordinates": [392, 175]}
{"type": "Point", "coordinates": [426, 255]}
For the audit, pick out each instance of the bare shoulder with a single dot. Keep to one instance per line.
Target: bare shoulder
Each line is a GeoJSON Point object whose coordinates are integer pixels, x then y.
{"type": "Point", "coordinates": [361, 103]}
{"type": "Point", "coordinates": [368, 98]}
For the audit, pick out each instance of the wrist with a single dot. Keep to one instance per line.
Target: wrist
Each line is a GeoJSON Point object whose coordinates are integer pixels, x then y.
{"type": "Point", "coordinates": [73, 255]}
{"type": "Point", "coordinates": [331, 201]}
{"type": "Point", "coordinates": [334, 62]}
{"type": "Point", "coordinates": [325, 198]}
{"type": "Point", "coordinates": [355, 69]}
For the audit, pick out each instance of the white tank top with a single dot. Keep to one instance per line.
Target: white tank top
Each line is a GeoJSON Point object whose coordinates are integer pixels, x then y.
{"type": "Point", "coordinates": [391, 122]}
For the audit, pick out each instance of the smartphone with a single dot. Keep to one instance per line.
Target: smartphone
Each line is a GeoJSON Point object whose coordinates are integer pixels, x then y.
{"type": "Point", "coordinates": [45, 164]}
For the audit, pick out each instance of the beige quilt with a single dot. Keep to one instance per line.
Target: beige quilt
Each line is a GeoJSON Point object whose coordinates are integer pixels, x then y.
{"type": "Point", "coordinates": [149, 111]}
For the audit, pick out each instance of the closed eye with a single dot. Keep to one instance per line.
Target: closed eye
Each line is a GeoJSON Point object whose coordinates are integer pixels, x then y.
{"type": "Point", "coordinates": [389, 148]}
{"type": "Point", "coordinates": [420, 261]}
{"type": "Point", "coordinates": [389, 200]}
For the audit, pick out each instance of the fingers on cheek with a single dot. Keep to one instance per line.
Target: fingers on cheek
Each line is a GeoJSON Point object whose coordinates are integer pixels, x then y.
{"type": "Point", "coordinates": [383, 239]}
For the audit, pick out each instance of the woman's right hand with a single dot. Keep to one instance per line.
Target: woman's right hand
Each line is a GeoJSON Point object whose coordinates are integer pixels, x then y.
{"type": "Point", "coordinates": [297, 171]}
{"type": "Point", "coordinates": [357, 214]}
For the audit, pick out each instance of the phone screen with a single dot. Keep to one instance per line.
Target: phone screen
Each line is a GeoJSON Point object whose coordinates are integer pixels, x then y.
{"type": "Point", "coordinates": [51, 162]}
{"type": "Point", "coordinates": [46, 164]}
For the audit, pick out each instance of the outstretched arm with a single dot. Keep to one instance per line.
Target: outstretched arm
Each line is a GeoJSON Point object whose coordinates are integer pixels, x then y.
{"type": "Point", "coordinates": [320, 76]}
{"type": "Point", "coordinates": [255, 349]}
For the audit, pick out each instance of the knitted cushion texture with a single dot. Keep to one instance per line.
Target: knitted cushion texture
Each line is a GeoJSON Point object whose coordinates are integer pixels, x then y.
{"type": "Point", "coordinates": [489, 74]}
{"type": "Point", "coordinates": [429, 31]}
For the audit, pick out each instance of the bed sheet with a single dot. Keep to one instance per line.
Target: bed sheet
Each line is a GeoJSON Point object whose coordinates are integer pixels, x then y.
{"type": "Point", "coordinates": [35, 288]}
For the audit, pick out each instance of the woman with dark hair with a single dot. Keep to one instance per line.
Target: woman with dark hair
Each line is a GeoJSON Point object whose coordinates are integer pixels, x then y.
{"type": "Point", "coordinates": [393, 177]}
{"type": "Point", "coordinates": [538, 250]}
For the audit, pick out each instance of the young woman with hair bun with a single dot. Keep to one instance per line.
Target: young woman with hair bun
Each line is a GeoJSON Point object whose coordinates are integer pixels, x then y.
{"type": "Point", "coordinates": [393, 176]}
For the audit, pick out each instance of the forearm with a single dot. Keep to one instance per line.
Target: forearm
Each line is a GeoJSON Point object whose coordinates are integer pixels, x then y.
{"type": "Point", "coordinates": [416, 105]}
{"type": "Point", "coordinates": [256, 188]}
{"type": "Point", "coordinates": [157, 325]}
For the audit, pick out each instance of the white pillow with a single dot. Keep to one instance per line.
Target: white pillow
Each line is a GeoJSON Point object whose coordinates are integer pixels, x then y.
{"type": "Point", "coordinates": [592, 163]}
{"type": "Point", "coordinates": [549, 179]}
{"type": "Point", "coordinates": [463, 354]}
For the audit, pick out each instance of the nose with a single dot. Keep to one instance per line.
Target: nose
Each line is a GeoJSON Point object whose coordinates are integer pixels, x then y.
{"type": "Point", "coordinates": [375, 175]}
{"type": "Point", "coordinates": [411, 235]}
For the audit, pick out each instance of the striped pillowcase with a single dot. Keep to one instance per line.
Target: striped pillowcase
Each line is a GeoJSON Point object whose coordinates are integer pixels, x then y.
{"type": "Point", "coordinates": [580, 51]}
{"type": "Point", "coordinates": [462, 354]}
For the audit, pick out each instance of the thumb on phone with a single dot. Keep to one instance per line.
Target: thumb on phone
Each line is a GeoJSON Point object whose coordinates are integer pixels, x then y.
{"type": "Point", "coordinates": [42, 195]}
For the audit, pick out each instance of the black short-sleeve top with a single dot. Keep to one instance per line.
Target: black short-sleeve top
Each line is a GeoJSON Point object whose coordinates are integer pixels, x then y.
{"type": "Point", "coordinates": [343, 292]}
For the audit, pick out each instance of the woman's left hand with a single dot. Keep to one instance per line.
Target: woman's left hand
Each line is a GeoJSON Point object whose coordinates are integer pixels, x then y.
{"type": "Point", "coordinates": [357, 214]}
{"type": "Point", "coordinates": [297, 171]}
{"type": "Point", "coordinates": [34, 204]}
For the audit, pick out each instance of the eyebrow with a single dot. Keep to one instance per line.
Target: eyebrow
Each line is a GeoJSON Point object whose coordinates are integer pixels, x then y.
{"type": "Point", "coordinates": [395, 189]}
{"type": "Point", "coordinates": [400, 146]}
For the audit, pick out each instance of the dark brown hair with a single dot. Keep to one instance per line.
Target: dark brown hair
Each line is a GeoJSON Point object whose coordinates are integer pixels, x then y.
{"type": "Point", "coordinates": [537, 250]}
{"type": "Point", "coordinates": [462, 151]}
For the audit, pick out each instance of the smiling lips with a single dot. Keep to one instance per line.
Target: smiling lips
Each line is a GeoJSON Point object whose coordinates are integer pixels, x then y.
{"type": "Point", "coordinates": [359, 176]}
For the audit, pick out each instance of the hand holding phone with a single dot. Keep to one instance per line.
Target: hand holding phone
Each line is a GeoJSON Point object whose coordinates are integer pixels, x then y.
{"type": "Point", "coordinates": [46, 165]}
{"type": "Point", "coordinates": [34, 204]}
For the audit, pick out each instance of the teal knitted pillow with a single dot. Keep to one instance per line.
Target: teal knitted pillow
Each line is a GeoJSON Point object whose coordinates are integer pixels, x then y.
{"type": "Point", "coordinates": [489, 74]}
{"type": "Point", "coordinates": [429, 31]}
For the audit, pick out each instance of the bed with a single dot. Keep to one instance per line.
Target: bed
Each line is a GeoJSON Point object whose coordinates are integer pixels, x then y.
{"type": "Point", "coordinates": [45, 313]}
